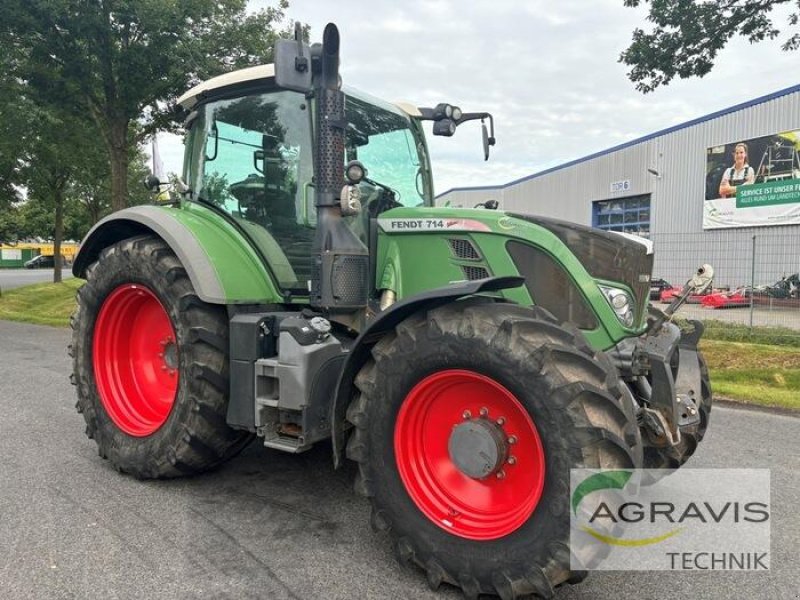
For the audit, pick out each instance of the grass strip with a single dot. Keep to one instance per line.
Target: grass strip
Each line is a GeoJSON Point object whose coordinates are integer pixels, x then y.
{"type": "Point", "coordinates": [761, 374]}
{"type": "Point", "coordinates": [41, 303]}
{"type": "Point", "coordinates": [736, 332]}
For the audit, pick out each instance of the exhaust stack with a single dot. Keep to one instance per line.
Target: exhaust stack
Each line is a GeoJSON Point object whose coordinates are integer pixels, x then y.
{"type": "Point", "coordinates": [340, 267]}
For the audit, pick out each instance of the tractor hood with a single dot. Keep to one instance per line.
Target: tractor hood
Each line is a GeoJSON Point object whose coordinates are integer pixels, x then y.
{"type": "Point", "coordinates": [569, 269]}
{"type": "Point", "coordinates": [606, 255]}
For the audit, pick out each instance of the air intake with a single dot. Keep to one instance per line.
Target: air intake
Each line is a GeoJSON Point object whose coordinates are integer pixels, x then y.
{"type": "Point", "coordinates": [472, 273]}
{"type": "Point", "coordinates": [464, 249]}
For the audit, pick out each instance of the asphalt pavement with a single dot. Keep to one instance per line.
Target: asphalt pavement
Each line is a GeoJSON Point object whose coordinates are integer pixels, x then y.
{"type": "Point", "coordinates": [272, 525]}
{"type": "Point", "coordinates": [13, 278]}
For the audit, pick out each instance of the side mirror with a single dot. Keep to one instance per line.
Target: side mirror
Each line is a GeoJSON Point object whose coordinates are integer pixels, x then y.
{"type": "Point", "coordinates": [447, 117]}
{"type": "Point", "coordinates": [293, 62]}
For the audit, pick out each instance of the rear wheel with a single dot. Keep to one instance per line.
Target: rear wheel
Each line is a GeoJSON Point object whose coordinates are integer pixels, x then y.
{"type": "Point", "coordinates": [467, 423]}
{"type": "Point", "coordinates": [150, 363]}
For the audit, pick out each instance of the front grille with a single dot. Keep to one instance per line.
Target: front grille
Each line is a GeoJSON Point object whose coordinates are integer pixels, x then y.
{"type": "Point", "coordinates": [473, 273]}
{"type": "Point", "coordinates": [464, 249]}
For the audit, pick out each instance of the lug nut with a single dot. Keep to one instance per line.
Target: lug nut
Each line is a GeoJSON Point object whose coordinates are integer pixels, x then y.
{"type": "Point", "coordinates": [501, 475]}
{"type": "Point", "coordinates": [466, 414]}
{"type": "Point", "coordinates": [501, 421]}
{"type": "Point", "coordinates": [484, 411]}
{"type": "Point", "coordinates": [692, 411]}
{"type": "Point", "coordinates": [512, 460]}
{"type": "Point", "coordinates": [512, 440]}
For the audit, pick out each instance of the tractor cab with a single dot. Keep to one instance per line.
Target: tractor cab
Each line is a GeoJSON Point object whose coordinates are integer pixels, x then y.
{"type": "Point", "coordinates": [250, 153]}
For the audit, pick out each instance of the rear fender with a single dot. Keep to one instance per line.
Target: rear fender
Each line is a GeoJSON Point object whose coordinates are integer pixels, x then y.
{"type": "Point", "coordinates": [385, 322]}
{"type": "Point", "coordinates": [220, 262]}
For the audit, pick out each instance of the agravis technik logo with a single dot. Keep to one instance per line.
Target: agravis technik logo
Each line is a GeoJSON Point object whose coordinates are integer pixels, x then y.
{"type": "Point", "coordinates": [694, 519]}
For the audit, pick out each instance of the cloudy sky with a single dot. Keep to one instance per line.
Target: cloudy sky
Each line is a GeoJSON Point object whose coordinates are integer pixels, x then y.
{"type": "Point", "coordinates": [546, 70]}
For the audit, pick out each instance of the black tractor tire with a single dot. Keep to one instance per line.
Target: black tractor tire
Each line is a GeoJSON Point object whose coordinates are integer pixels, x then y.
{"type": "Point", "coordinates": [676, 456]}
{"type": "Point", "coordinates": [195, 436]}
{"type": "Point", "coordinates": [584, 416]}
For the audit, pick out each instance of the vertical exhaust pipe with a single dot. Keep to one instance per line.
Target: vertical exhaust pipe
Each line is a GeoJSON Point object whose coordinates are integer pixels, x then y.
{"type": "Point", "coordinates": [340, 267]}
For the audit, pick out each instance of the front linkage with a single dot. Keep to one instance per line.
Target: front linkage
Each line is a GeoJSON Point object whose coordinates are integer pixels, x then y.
{"type": "Point", "coordinates": [670, 379]}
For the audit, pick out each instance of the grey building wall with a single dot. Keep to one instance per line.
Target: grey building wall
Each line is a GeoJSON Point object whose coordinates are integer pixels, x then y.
{"type": "Point", "coordinates": [678, 155]}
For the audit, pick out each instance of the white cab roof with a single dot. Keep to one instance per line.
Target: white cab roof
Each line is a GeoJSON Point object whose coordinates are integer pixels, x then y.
{"type": "Point", "coordinates": [261, 72]}
{"type": "Point", "coordinates": [190, 98]}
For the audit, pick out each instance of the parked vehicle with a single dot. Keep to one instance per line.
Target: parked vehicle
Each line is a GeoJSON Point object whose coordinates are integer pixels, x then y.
{"type": "Point", "coordinates": [657, 286]}
{"type": "Point", "coordinates": [40, 262]}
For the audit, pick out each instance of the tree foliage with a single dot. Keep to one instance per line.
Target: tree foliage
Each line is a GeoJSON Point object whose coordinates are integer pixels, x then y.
{"type": "Point", "coordinates": [688, 35]}
{"type": "Point", "coordinates": [124, 62]}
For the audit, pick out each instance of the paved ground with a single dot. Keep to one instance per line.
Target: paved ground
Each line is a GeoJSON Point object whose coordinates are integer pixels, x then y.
{"type": "Point", "coordinates": [12, 278]}
{"type": "Point", "coordinates": [270, 525]}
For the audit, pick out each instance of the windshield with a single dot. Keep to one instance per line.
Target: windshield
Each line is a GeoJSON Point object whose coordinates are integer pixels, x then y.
{"type": "Point", "coordinates": [381, 137]}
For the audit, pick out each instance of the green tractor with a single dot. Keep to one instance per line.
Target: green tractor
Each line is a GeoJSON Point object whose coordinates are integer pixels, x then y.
{"type": "Point", "coordinates": [301, 286]}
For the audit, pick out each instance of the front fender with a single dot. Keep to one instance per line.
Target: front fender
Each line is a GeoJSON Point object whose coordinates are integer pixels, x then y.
{"type": "Point", "coordinates": [221, 263]}
{"type": "Point", "coordinates": [386, 321]}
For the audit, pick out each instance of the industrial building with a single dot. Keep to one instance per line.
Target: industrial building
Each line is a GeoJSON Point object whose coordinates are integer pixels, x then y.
{"type": "Point", "coordinates": [668, 186]}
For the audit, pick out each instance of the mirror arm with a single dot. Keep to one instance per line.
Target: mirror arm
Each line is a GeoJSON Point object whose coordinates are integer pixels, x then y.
{"type": "Point", "coordinates": [481, 115]}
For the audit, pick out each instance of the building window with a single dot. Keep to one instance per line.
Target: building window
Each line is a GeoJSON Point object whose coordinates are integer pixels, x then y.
{"type": "Point", "coordinates": [631, 215]}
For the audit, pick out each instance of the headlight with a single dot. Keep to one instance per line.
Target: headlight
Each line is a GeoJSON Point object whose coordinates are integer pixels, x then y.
{"type": "Point", "coordinates": [621, 302]}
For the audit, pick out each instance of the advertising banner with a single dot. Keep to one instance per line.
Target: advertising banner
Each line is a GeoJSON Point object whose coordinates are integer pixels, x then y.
{"type": "Point", "coordinates": [753, 183]}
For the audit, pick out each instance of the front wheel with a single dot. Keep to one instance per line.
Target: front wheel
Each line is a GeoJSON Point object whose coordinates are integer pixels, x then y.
{"type": "Point", "coordinates": [150, 364]}
{"type": "Point", "coordinates": [468, 421]}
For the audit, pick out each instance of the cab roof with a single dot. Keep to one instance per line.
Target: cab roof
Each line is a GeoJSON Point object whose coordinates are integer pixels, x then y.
{"type": "Point", "coordinates": [265, 73]}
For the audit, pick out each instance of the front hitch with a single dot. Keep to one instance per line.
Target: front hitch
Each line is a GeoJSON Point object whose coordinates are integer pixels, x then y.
{"type": "Point", "coordinates": [675, 382]}
{"type": "Point", "coordinates": [675, 385]}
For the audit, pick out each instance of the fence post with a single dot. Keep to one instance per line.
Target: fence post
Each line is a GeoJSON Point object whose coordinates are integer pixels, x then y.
{"type": "Point", "coordinates": [752, 283]}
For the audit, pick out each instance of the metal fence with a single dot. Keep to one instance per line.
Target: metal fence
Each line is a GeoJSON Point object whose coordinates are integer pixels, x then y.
{"type": "Point", "coordinates": [756, 274]}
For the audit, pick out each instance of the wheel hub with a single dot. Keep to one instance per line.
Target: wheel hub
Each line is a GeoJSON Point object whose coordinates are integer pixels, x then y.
{"type": "Point", "coordinates": [170, 354]}
{"type": "Point", "coordinates": [478, 448]}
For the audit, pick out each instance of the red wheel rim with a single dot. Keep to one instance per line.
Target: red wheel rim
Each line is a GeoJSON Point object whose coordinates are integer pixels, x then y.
{"type": "Point", "coordinates": [480, 509]}
{"type": "Point", "coordinates": [135, 360]}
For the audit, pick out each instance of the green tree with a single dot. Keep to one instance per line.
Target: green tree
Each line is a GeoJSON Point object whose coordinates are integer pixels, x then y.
{"type": "Point", "coordinates": [11, 223]}
{"type": "Point", "coordinates": [688, 34]}
{"type": "Point", "coordinates": [15, 117]}
{"type": "Point", "coordinates": [124, 62]}
{"type": "Point", "coordinates": [50, 161]}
